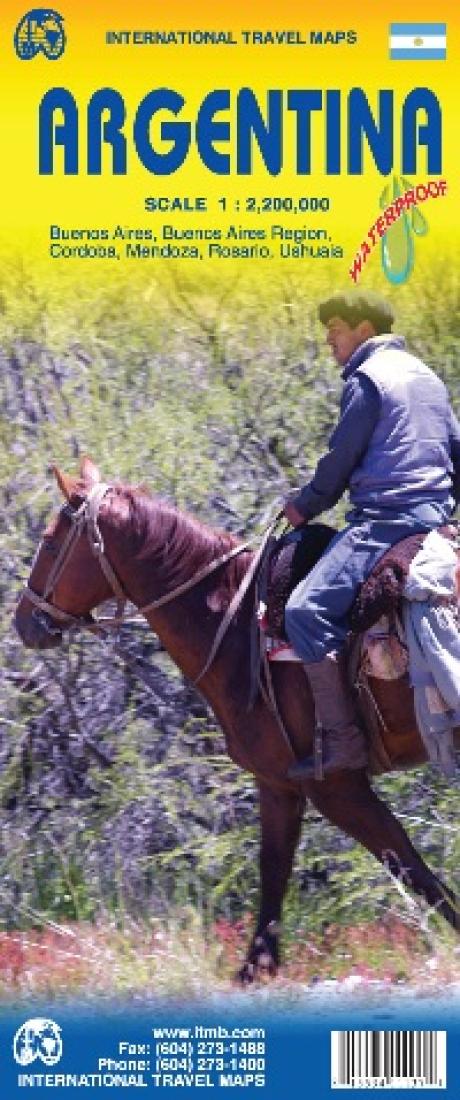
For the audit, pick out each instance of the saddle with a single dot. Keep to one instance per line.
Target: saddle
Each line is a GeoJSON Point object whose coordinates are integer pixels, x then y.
{"type": "Point", "coordinates": [291, 559]}
{"type": "Point", "coordinates": [378, 656]}
{"type": "Point", "coordinates": [295, 554]}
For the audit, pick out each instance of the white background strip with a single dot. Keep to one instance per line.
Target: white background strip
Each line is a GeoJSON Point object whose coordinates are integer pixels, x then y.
{"type": "Point", "coordinates": [429, 41]}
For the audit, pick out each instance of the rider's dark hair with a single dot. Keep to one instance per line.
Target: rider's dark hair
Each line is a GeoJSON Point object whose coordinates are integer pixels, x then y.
{"type": "Point", "coordinates": [354, 307]}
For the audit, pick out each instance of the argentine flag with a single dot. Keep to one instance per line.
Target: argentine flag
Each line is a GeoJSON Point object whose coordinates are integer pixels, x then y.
{"type": "Point", "coordinates": [418, 41]}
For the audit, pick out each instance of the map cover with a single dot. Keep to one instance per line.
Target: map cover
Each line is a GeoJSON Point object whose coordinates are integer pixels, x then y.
{"type": "Point", "coordinates": [181, 187]}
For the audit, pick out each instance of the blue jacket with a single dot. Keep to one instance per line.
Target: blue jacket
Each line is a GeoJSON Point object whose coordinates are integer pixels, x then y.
{"type": "Point", "coordinates": [397, 444]}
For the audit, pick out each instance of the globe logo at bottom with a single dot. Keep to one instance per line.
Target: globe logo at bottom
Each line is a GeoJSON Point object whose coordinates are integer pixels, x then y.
{"type": "Point", "coordinates": [38, 1038]}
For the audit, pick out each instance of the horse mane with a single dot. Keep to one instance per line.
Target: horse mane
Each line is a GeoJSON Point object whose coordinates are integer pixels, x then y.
{"type": "Point", "coordinates": [177, 544]}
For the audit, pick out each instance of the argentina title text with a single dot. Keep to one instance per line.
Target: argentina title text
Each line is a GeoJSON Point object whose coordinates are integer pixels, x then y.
{"type": "Point", "coordinates": [230, 126]}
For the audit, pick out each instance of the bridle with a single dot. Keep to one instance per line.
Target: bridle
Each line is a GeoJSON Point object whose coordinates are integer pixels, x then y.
{"type": "Point", "coordinates": [85, 519]}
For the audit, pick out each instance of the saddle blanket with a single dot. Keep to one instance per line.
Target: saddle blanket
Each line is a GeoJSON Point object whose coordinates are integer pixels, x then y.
{"type": "Point", "coordinates": [383, 650]}
{"type": "Point", "coordinates": [380, 596]}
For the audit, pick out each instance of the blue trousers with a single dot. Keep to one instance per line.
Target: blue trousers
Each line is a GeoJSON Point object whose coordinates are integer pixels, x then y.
{"type": "Point", "coordinates": [317, 612]}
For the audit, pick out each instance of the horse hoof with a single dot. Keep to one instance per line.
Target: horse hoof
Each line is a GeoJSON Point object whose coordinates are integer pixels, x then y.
{"type": "Point", "coordinates": [266, 965]}
{"type": "Point", "coordinates": [246, 975]}
{"type": "Point", "coordinates": [262, 968]}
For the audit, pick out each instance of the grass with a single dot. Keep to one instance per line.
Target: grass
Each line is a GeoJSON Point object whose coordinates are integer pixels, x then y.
{"type": "Point", "coordinates": [184, 958]}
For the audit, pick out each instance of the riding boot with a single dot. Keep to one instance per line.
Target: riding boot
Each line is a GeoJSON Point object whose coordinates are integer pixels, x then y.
{"type": "Point", "coordinates": [344, 742]}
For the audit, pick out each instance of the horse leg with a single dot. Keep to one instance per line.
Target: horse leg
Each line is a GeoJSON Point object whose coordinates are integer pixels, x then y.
{"type": "Point", "coordinates": [280, 819]}
{"type": "Point", "coordinates": [348, 800]}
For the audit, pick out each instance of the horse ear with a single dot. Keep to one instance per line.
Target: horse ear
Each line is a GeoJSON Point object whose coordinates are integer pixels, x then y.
{"type": "Point", "coordinates": [66, 484]}
{"type": "Point", "coordinates": [89, 472]}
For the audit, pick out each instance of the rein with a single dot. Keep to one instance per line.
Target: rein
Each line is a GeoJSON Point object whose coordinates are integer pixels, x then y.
{"type": "Point", "coordinates": [86, 518]}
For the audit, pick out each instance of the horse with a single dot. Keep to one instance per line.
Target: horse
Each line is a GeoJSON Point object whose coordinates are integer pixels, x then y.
{"type": "Point", "coordinates": [181, 575]}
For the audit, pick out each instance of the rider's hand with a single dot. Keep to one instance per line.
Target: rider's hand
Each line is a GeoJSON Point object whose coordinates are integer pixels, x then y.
{"type": "Point", "coordinates": [295, 518]}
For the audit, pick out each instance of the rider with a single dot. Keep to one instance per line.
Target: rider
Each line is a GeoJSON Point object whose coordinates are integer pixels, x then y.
{"type": "Point", "coordinates": [396, 448]}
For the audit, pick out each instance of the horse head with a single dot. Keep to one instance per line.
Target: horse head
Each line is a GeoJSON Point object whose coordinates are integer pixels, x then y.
{"type": "Point", "coordinates": [66, 582]}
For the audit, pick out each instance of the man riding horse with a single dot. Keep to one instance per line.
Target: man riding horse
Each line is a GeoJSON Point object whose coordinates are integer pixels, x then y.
{"type": "Point", "coordinates": [396, 448]}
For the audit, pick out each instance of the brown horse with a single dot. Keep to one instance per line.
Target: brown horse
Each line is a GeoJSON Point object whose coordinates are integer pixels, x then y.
{"type": "Point", "coordinates": [152, 549]}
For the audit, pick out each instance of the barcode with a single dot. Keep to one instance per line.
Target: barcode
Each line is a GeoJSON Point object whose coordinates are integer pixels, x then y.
{"type": "Point", "coordinates": [388, 1059]}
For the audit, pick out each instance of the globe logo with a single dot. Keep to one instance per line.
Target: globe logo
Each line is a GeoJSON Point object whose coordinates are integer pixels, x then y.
{"type": "Point", "coordinates": [38, 1038]}
{"type": "Point", "coordinates": [40, 31]}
